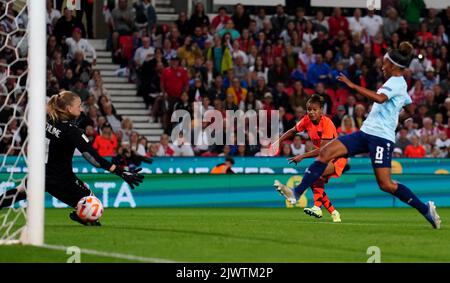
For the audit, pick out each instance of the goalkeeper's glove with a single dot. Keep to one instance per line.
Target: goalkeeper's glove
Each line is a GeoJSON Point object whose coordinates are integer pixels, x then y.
{"type": "Point", "coordinates": [132, 177]}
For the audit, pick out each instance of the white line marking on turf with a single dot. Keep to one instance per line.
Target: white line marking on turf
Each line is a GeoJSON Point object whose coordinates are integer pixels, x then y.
{"type": "Point", "coordinates": [363, 224]}
{"type": "Point", "coordinates": [113, 255]}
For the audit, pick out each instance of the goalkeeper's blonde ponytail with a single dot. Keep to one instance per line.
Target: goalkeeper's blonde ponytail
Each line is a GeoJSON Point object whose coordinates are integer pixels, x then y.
{"type": "Point", "coordinates": [57, 106]}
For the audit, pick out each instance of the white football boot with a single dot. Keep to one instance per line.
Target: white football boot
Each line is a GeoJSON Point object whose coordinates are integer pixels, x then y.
{"type": "Point", "coordinates": [336, 216]}
{"type": "Point", "coordinates": [313, 211]}
{"type": "Point", "coordinates": [285, 191]}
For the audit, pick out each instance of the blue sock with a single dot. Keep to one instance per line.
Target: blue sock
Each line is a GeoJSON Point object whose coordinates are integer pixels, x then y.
{"type": "Point", "coordinates": [408, 197]}
{"type": "Point", "coordinates": [312, 173]}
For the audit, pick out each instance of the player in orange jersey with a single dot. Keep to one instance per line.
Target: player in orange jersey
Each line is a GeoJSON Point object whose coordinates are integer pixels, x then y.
{"type": "Point", "coordinates": [321, 131]}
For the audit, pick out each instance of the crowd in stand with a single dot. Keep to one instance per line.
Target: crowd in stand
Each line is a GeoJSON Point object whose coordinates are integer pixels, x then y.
{"type": "Point", "coordinates": [255, 61]}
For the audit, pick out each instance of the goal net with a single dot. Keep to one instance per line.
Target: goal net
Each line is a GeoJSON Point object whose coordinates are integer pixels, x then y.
{"type": "Point", "coordinates": [22, 120]}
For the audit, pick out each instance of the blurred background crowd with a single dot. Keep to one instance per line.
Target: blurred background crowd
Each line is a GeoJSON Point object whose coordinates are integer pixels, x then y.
{"type": "Point", "coordinates": [240, 58]}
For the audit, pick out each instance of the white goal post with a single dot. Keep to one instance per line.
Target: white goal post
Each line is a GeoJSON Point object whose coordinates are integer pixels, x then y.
{"type": "Point", "coordinates": [23, 68]}
{"type": "Point", "coordinates": [34, 231]}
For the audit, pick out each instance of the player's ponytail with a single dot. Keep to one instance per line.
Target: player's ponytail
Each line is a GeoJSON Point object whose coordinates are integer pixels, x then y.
{"type": "Point", "coordinates": [57, 106]}
{"type": "Point", "coordinates": [402, 56]}
{"type": "Point", "coordinates": [406, 49]}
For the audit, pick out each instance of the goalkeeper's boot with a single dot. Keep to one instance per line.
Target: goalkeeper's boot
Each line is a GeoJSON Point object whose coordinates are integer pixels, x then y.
{"type": "Point", "coordinates": [95, 223]}
{"type": "Point", "coordinates": [74, 216]}
{"type": "Point", "coordinates": [432, 216]}
{"type": "Point", "coordinates": [285, 191]}
{"type": "Point", "coordinates": [336, 216]}
{"type": "Point", "coordinates": [313, 211]}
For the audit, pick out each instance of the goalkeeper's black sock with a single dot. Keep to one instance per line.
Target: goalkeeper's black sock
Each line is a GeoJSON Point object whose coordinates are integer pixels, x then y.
{"type": "Point", "coordinates": [11, 196]}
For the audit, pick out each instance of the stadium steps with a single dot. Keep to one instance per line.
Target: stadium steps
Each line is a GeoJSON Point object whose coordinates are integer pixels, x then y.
{"type": "Point", "coordinates": [129, 112]}
{"type": "Point", "coordinates": [105, 67]}
{"type": "Point", "coordinates": [123, 93]}
{"type": "Point", "coordinates": [125, 98]}
{"type": "Point", "coordinates": [104, 60]}
{"type": "Point", "coordinates": [128, 105]}
{"type": "Point", "coordinates": [165, 11]}
{"type": "Point", "coordinates": [119, 85]}
{"type": "Point", "coordinates": [107, 79]}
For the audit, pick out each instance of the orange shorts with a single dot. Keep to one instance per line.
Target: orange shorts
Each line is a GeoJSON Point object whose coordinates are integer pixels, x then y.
{"type": "Point", "coordinates": [339, 165]}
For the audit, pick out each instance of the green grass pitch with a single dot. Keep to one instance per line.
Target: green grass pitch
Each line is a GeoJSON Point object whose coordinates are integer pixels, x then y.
{"type": "Point", "coordinates": [243, 235]}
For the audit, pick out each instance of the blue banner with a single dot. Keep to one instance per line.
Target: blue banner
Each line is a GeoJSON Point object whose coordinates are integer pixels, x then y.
{"type": "Point", "coordinates": [253, 190]}
{"type": "Point", "coordinates": [249, 165]}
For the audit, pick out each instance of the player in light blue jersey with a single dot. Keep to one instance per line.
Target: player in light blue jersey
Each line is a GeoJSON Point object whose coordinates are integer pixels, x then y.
{"type": "Point", "coordinates": [377, 134]}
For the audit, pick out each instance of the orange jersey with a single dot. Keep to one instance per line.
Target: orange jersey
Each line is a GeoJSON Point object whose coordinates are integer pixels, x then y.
{"type": "Point", "coordinates": [325, 129]}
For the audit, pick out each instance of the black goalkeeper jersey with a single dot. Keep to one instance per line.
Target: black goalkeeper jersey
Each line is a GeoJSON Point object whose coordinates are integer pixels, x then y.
{"type": "Point", "coordinates": [62, 138]}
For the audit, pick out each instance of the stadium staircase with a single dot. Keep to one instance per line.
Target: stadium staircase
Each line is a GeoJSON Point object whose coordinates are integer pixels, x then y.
{"type": "Point", "coordinates": [165, 11]}
{"type": "Point", "coordinates": [123, 94]}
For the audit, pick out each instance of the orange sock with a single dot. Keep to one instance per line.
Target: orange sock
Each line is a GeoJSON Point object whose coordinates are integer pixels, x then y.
{"type": "Point", "coordinates": [317, 193]}
{"type": "Point", "coordinates": [327, 203]}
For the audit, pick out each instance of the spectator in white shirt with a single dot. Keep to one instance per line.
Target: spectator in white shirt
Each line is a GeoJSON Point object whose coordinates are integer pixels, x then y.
{"type": "Point", "coordinates": [428, 131]}
{"type": "Point", "coordinates": [442, 144]}
{"type": "Point", "coordinates": [164, 147]}
{"type": "Point", "coordinates": [181, 147]}
{"type": "Point", "coordinates": [144, 53]}
{"type": "Point", "coordinates": [307, 57]}
{"type": "Point", "coordinates": [236, 52]}
{"type": "Point", "coordinates": [264, 150]}
{"type": "Point", "coordinates": [76, 43]}
{"type": "Point", "coordinates": [418, 66]}
{"type": "Point", "coordinates": [52, 15]}
{"type": "Point", "coordinates": [112, 119]}
{"type": "Point", "coordinates": [355, 24]}
{"type": "Point", "coordinates": [98, 89]}
{"type": "Point", "coordinates": [320, 23]}
{"type": "Point", "coordinates": [309, 33]}
{"type": "Point", "coordinates": [372, 23]}
{"type": "Point", "coordinates": [260, 18]}
{"type": "Point", "coordinates": [297, 146]}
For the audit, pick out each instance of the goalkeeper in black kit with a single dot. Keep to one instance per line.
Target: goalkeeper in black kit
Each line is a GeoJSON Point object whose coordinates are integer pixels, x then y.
{"type": "Point", "coordinates": [63, 137]}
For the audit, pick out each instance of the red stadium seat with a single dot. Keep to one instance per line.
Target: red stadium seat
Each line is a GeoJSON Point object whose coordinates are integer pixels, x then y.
{"type": "Point", "coordinates": [309, 91]}
{"type": "Point", "coordinates": [331, 93]}
{"type": "Point", "coordinates": [289, 91]}
{"type": "Point", "coordinates": [341, 95]}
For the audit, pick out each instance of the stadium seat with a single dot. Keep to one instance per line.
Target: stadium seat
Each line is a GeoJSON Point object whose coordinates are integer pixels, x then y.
{"type": "Point", "coordinates": [309, 91]}
{"type": "Point", "coordinates": [341, 95]}
{"type": "Point", "coordinates": [331, 93]}
{"type": "Point", "coordinates": [289, 91]}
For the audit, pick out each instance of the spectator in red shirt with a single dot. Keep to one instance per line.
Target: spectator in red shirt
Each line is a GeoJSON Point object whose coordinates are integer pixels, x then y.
{"type": "Point", "coordinates": [174, 79]}
{"type": "Point", "coordinates": [415, 150]}
{"type": "Point", "coordinates": [106, 143]}
{"type": "Point", "coordinates": [424, 33]}
{"type": "Point", "coordinates": [219, 22]}
{"type": "Point", "coordinates": [338, 22]}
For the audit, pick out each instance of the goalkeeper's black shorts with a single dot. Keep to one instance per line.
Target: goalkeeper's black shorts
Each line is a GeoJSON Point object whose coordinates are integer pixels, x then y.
{"type": "Point", "coordinates": [69, 192]}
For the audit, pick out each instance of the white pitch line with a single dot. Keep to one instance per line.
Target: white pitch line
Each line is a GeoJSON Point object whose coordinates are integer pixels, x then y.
{"type": "Point", "coordinates": [362, 224]}
{"type": "Point", "coordinates": [106, 254]}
